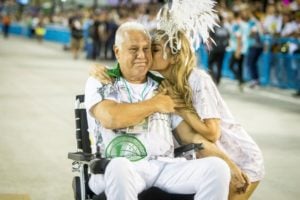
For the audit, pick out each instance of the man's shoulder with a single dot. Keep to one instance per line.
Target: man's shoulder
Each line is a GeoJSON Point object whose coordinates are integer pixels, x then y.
{"type": "Point", "coordinates": [92, 87]}
{"type": "Point", "coordinates": [91, 81]}
{"type": "Point", "coordinates": [95, 92]}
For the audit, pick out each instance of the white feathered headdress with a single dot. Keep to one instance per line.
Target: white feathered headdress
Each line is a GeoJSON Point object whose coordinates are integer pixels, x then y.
{"type": "Point", "coordinates": [194, 17]}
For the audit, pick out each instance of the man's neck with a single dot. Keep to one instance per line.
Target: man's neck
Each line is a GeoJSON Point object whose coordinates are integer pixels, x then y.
{"type": "Point", "coordinates": [135, 80]}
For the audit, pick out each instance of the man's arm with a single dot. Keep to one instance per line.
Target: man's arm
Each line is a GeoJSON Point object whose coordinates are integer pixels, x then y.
{"type": "Point", "coordinates": [113, 115]}
{"type": "Point", "coordinates": [238, 51]}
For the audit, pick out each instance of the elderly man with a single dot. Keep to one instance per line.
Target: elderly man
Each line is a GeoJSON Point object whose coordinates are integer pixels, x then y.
{"type": "Point", "coordinates": [133, 127]}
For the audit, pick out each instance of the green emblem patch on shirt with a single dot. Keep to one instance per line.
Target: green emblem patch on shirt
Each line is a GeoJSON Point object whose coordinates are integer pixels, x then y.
{"type": "Point", "coordinates": [126, 146]}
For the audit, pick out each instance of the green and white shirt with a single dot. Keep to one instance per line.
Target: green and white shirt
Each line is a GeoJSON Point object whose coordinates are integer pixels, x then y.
{"type": "Point", "coordinates": [151, 138]}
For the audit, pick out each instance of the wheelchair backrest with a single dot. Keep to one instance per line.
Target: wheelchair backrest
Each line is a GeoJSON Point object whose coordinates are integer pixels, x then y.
{"type": "Point", "coordinates": [82, 134]}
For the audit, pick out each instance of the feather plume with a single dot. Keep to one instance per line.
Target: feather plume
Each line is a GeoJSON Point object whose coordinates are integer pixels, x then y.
{"type": "Point", "coordinates": [195, 17]}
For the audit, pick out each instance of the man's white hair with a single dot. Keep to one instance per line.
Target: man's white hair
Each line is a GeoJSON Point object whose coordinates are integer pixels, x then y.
{"type": "Point", "coordinates": [129, 26]}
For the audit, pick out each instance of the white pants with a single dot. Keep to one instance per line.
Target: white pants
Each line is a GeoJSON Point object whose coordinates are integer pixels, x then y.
{"type": "Point", "coordinates": [207, 178]}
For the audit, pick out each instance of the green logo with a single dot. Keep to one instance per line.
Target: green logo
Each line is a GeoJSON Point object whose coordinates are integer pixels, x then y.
{"type": "Point", "coordinates": [126, 146]}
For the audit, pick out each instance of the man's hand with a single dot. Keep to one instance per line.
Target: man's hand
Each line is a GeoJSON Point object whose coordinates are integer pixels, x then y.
{"type": "Point", "coordinates": [239, 180]}
{"type": "Point", "coordinates": [163, 102]}
{"type": "Point", "coordinates": [98, 71]}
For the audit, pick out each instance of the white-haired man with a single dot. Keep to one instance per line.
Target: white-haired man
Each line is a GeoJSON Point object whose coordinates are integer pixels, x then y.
{"type": "Point", "coordinates": [133, 127]}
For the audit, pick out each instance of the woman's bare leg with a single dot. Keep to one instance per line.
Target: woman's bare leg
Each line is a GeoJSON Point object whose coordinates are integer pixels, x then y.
{"type": "Point", "coordinates": [239, 180]}
{"type": "Point", "coordinates": [244, 196]}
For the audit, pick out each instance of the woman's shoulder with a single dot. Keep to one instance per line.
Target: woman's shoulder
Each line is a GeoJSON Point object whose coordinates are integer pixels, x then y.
{"type": "Point", "coordinates": [199, 75]}
{"type": "Point", "coordinates": [200, 79]}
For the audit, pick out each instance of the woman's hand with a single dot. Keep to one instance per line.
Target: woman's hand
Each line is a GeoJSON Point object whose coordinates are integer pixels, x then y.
{"type": "Point", "coordinates": [98, 71]}
{"type": "Point", "coordinates": [239, 180]}
{"type": "Point", "coordinates": [180, 104]}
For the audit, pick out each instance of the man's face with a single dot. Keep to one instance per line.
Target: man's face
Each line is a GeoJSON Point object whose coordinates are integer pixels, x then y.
{"type": "Point", "coordinates": [134, 56]}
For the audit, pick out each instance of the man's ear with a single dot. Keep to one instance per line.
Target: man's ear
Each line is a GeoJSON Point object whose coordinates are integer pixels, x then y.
{"type": "Point", "coordinates": [117, 51]}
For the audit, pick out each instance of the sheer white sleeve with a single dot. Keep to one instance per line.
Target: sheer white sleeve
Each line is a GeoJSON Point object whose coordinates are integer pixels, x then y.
{"type": "Point", "coordinates": [205, 97]}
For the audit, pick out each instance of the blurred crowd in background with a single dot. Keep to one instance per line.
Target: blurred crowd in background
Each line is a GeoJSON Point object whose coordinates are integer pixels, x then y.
{"type": "Point", "coordinates": [243, 26]}
{"type": "Point", "coordinates": [279, 18]}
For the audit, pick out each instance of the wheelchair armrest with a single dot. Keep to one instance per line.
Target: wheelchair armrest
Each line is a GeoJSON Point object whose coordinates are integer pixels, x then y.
{"type": "Point", "coordinates": [80, 156]}
{"type": "Point", "coordinates": [180, 151]}
{"type": "Point", "coordinates": [98, 165]}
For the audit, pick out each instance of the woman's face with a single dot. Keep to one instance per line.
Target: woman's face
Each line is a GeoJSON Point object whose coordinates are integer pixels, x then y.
{"type": "Point", "coordinates": [159, 63]}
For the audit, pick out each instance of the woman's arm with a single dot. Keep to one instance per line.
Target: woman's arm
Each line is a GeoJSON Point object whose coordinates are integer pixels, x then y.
{"type": "Point", "coordinates": [208, 128]}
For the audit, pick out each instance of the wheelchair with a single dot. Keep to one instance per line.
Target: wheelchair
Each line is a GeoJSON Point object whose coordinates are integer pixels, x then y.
{"type": "Point", "coordinates": [83, 158]}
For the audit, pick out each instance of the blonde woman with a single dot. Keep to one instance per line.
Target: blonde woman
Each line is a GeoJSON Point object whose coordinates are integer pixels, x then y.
{"type": "Point", "coordinates": [205, 110]}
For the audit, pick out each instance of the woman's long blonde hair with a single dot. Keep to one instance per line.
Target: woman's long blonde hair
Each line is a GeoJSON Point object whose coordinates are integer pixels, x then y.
{"type": "Point", "coordinates": [185, 61]}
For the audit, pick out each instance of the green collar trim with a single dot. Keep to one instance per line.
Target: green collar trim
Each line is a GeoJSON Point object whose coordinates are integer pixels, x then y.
{"type": "Point", "coordinates": [155, 78]}
{"type": "Point", "coordinates": [116, 73]}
